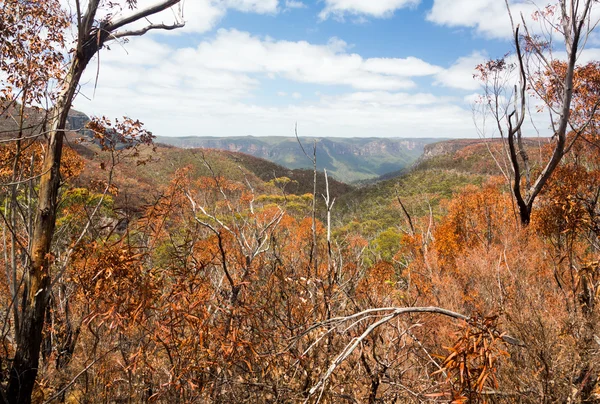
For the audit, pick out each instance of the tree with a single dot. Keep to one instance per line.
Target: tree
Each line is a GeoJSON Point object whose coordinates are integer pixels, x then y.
{"type": "Point", "coordinates": [93, 32]}
{"type": "Point", "coordinates": [537, 67]}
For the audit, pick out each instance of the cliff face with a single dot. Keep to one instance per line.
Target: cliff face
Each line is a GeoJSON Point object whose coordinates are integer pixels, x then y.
{"type": "Point", "coordinates": [347, 159]}
{"type": "Point", "coordinates": [35, 117]}
{"type": "Point", "coordinates": [375, 147]}
{"type": "Point", "coordinates": [77, 120]}
{"type": "Point", "coordinates": [448, 147]}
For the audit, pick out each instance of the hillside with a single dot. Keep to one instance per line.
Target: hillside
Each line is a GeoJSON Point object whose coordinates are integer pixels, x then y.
{"type": "Point", "coordinates": [347, 159]}
{"type": "Point", "coordinates": [444, 168]}
{"type": "Point", "coordinates": [475, 155]}
{"type": "Point", "coordinates": [140, 185]}
{"type": "Point", "coordinates": [354, 265]}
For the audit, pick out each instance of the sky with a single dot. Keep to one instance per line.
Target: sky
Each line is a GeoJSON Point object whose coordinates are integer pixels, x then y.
{"type": "Point", "coordinates": [343, 68]}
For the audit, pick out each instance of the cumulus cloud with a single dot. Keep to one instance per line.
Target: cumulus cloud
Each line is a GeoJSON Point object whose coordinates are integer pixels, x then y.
{"type": "Point", "coordinates": [490, 18]}
{"type": "Point", "coordinates": [199, 16]}
{"type": "Point", "coordinates": [375, 8]}
{"type": "Point", "coordinates": [197, 112]}
{"type": "Point", "coordinates": [211, 89]}
{"type": "Point", "coordinates": [460, 74]}
{"type": "Point", "coordinates": [203, 15]}
{"type": "Point", "coordinates": [214, 87]}
{"type": "Point", "coordinates": [385, 99]}
{"type": "Point", "coordinates": [146, 51]}
{"type": "Point", "coordinates": [487, 17]}
{"type": "Point", "coordinates": [408, 67]}
{"type": "Point", "coordinates": [253, 6]}
{"type": "Point", "coordinates": [328, 64]}
{"type": "Point", "coordinates": [585, 56]}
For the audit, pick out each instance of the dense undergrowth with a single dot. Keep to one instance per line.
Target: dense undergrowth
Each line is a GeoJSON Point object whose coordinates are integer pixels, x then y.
{"type": "Point", "coordinates": [212, 290]}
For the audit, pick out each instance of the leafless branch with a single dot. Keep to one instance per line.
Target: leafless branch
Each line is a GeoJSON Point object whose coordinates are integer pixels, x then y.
{"type": "Point", "coordinates": [157, 8]}
{"type": "Point", "coordinates": [142, 31]}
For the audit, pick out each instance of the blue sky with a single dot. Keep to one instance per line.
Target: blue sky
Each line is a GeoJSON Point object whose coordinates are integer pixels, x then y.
{"type": "Point", "coordinates": [388, 68]}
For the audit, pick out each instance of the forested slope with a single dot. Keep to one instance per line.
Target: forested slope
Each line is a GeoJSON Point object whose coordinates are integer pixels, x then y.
{"type": "Point", "coordinates": [136, 273]}
{"type": "Point", "coordinates": [230, 241]}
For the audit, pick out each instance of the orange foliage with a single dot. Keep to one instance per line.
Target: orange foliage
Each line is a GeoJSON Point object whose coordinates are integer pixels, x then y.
{"type": "Point", "coordinates": [474, 218]}
{"type": "Point", "coordinates": [30, 159]}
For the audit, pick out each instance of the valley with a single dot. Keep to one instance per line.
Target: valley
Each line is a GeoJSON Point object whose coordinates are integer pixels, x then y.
{"type": "Point", "coordinates": [349, 160]}
{"type": "Point", "coordinates": [435, 240]}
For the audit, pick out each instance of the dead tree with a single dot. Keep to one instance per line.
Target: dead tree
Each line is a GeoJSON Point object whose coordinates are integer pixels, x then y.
{"type": "Point", "coordinates": [534, 59]}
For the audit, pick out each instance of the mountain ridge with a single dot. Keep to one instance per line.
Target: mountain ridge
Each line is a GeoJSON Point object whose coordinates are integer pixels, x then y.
{"type": "Point", "coordinates": [349, 160]}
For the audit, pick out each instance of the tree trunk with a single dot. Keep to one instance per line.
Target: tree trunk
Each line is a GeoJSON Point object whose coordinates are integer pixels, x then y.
{"type": "Point", "coordinates": [37, 278]}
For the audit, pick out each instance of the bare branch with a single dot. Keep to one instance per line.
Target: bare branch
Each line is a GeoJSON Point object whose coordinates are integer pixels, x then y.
{"type": "Point", "coordinates": [388, 313]}
{"type": "Point", "coordinates": [111, 27]}
{"type": "Point", "coordinates": [142, 31]}
{"type": "Point", "coordinates": [410, 222]}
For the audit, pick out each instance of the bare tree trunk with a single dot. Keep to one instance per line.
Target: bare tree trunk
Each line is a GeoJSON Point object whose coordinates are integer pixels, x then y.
{"type": "Point", "coordinates": [91, 38]}
{"type": "Point", "coordinates": [329, 205]}
{"type": "Point", "coordinates": [313, 251]}
{"type": "Point", "coordinates": [37, 278]}
{"type": "Point", "coordinates": [575, 23]}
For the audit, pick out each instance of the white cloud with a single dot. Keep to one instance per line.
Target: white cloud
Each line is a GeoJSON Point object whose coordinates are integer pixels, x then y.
{"type": "Point", "coordinates": [585, 56]}
{"type": "Point", "coordinates": [294, 4]}
{"type": "Point", "coordinates": [490, 18]}
{"type": "Point", "coordinates": [175, 95]}
{"type": "Point", "coordinates": [473, 14]}
{"type": "Point", "coordinates": [197, 112]}
{"type": "Point", "coordinates": [588, 55]}
{"type": "Point", "coordinates": [3, 78]}
{"type": "Point", "coordinates": [371, 8]}
{"type": "Point", "coordinates": [200, 16]}
{"type": "Point", "coordinates": [145, 52]}
{"type": "Point", "coordinates": [337, 45]}
{"type": "Point", "coordinates": [212, 89]}
{"type": "Point", "coordinates": [203, 15]}
{"type": "Point", "coordinates": [474, 98]}
{"type": "Point", "coordinates": [460, 74]}
{"type": "Point", "coordinates": [487, 17]}
{"type": "Point", "coordinates": [385, 99]}
{"type": "Point", "coordinates": [253, 6]}
{"type": "Point", "coordinates": [594, 39]}
{"type": "Point", "coordinates": [301, 61]}
{"type": "Point", "coordinates": [407, 67]}
{"type": "Point", "coordinates": [236, 55]}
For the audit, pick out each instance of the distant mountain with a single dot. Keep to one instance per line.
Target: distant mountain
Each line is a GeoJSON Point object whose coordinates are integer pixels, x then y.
{"type": "Point", "coordinates": [346, 159]}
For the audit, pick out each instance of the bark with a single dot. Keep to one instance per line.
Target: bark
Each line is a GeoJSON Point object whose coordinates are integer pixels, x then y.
{"type": "Point", "coordinates": [37, 278]}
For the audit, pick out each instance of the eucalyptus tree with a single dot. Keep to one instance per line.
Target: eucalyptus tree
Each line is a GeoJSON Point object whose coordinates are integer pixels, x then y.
{"type": "Point", "coordinates": [34, 59]}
